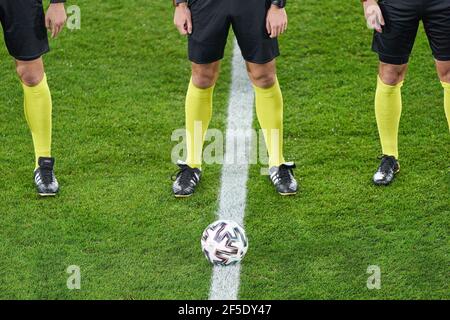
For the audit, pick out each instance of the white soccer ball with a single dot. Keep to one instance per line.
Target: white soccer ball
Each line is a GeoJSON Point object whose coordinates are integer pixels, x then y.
{"type": "Point", "coordinates": [224, 243]}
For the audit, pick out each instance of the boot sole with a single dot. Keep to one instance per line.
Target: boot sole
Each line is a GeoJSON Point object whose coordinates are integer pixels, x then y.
{"type": "Point", "coordinates": [287, 194]}
{"type": "Point", "coordinates": [182, 196]}
{"type": "Point", "coordinates": [47, 194]}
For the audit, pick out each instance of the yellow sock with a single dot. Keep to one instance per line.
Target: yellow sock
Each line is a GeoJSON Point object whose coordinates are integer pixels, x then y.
{"type": "Point", "coordinates": [447, 101]}
{"type": "Point", "coordinates": [269, 109]}
{"type": "Point", "coordinates": [388, 110]}
{"type": "Point", "coordinates": [38, 113]}
{"type": "Point", "coordinates": [198, 116]}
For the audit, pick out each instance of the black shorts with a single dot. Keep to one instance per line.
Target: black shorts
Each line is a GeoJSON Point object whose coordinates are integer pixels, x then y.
{"type": "Point", "coordinates": [402, 19]}
{"type": "Point", "coordinates": [211, 20]}
{"type": "Point", "coordinates": [24, 29]}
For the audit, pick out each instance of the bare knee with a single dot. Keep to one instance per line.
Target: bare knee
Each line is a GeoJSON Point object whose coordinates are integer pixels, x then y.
{"type": "Point", "coordinates": [262, 76]}
{"type": "Point", "coordinates": [443, 69]}
{"type": "Point", "coordinates": [392, 74]}
{"type": "Point", "coordinates": [205, 76]}
{"type": "Point", "coordinates": [30, 73]}
{"type": "Point", "coordinates": [263, 80]}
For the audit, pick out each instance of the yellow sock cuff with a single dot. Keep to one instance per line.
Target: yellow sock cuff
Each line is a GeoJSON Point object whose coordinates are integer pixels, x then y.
{"type": "Point", "coordinates": [197, 92]}
{"type": "Point", "coordinates": [445, 85]}
{"type": "Point", "coordinates": [268, 92]}
{"type": "Point", "coordinates": [388, 88]}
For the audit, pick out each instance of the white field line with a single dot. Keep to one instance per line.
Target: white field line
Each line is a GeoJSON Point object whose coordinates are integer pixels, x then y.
{"type": "Point", "coordinates": [233, 192]}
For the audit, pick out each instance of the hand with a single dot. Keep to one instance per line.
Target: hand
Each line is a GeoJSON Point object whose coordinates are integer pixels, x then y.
{"type": "Point", "coordinates": [276, 21]}
{"type": "Point", "coordinates": [183, 19]}
{"type": "Point", "coordinates": [373, 15]}
{"type": "Point", "coordinates": [55, 18]}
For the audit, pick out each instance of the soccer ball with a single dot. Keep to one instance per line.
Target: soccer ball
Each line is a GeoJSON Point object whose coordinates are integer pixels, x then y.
{"type": "Point", "coordinates": [224, 243]}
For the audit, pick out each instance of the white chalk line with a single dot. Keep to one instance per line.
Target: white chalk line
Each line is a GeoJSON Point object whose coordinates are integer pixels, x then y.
{"type": "Point", "coordinates": [233, 192]}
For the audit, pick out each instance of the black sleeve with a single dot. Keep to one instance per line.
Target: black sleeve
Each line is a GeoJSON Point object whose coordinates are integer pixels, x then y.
{"type": "Point", "coordinates": [57, 1]}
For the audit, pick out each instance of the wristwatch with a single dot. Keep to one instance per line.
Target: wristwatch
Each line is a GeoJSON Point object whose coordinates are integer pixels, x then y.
{"type": "Point", "coordinates": [279, 3]}
{"type": "Point", "coordinates": [177, 2]}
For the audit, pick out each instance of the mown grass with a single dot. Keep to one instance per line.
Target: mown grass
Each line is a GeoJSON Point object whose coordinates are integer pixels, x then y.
{"type": "Point", "coordinates": [319, 244]}
{"type": "Point", "coordinates": [118, 86]}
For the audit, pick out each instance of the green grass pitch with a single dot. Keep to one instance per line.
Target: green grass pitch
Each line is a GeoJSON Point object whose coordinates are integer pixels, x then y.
{"type": "Point", "coordinates": [118, 86]}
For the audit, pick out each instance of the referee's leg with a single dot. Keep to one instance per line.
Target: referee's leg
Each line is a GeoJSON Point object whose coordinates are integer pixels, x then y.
{"type": "Point", "coordinates": [443, 69]}
{"type": "Point", "coordinates": [37, 105]}
{"type": "Point", "coordinates": [269, 108]}
{"type": "Point", "coordinates": [199, 104]}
